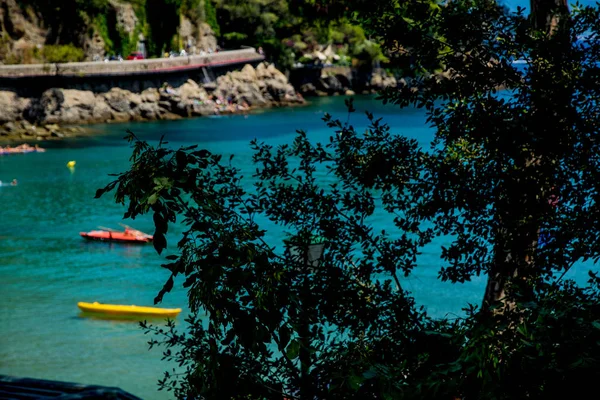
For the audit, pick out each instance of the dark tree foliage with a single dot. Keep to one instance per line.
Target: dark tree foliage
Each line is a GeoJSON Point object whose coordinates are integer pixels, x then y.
{"type": "Point", "coordinates": [64, 17]}
{"type": "Point", "coordinates": [512, 179]}
{"type": "Point", "coordinates": [163, 21]}
{"type": "Point", "coordinates": [522, 161]}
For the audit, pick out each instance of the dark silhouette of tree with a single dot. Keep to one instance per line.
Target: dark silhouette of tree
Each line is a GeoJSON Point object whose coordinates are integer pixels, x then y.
{"type": "Point", "coordinates": [545, 14]}
{"type": "Point", "coordinates": [511, 180]}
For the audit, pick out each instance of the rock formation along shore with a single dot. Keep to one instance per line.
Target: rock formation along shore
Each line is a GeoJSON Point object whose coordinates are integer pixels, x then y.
{"type": "Point", "coordinates": [53, 114]}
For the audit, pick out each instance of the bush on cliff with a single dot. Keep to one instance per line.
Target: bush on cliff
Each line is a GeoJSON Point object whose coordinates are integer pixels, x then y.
{"type": "Point", "coordinates": [62, 53]}
{"type": "Point", "coordinates": [210, 15]}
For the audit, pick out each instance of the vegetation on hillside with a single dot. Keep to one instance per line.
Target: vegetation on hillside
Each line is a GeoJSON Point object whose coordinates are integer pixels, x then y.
{"type": "Point", "coordinates": [510, 185]}
{"type": "Point", "coordinates": [62, 53]}
{"type": "Point", "coordinates": [73, 22]}
{"type": "Point", "coordinates": [288, 31]}
{"type": "Point", "coordinates": [292, 31]}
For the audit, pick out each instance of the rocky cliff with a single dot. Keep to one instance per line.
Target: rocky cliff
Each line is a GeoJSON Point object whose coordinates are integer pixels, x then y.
{"type": "Point", "coordinates": [36, 31]}
{"type": "Point", "coordinates": [47, 116]}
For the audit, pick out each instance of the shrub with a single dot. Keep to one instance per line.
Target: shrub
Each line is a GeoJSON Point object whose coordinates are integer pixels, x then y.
{"type": "Point", "coordinates": [210, 13]}
{"type": "Point", "coordinates": [62, 53]}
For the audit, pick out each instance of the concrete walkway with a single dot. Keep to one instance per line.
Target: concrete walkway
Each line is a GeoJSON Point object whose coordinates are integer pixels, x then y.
{"type": "Point", "coordinates": [133, 67]}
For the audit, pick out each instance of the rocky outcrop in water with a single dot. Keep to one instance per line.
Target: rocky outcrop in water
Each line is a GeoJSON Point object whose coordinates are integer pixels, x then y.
{"type": "Point", "coordinates": [238, 91]}
{"type": "Point", "coordinates": [330, 81]}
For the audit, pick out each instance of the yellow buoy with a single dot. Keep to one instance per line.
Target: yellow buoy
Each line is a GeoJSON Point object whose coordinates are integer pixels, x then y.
{"type": "Point", "coordinates": [71, 164]}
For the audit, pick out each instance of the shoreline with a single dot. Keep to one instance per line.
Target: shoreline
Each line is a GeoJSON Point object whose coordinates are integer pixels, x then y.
{"type": "Point", "coordinates": [85, 130]}
{"type": "Point", "coordinates": [64, 113]}
{"type": "Point", "coordinates": [68, 113]}
{"type": "Point", "coordinates": [89, 129]}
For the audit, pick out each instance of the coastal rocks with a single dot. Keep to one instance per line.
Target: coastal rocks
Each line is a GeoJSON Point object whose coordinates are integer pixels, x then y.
{"type": "Point", "coordinates": [308, 89]}
{"type": "Point", "coordinates": [381, 80]}
{"type": "Point", "coordinates": [261, 71]}
{"type": "Point", "coordinates": [248, 73]}
{"type": "Point", "coordinates": [52, 128]}
{"type": "Point", "coordinates": [237, 91]}
{"type": "Point", "coordinates": [191, 91]}
{"type": "Point", "coordinates": [101, 112]}
{"type": "Point", "coordinates": [149, 111]}
{"type": "Point", "coordinates": [23, 130]}
{"type": "Point", "coordinates": [78, 99]}
{"type": "Point", "coordinates": [65, 106]}
{"type": "Point", "coordinates": [337, 80]}
{"type": "Point", "coordinates": [280, 91]}
{"type": "Point", "coordinates": [120, 100]}
{"type": "Point", "coordinates": [331, 84]}
{"type": "Point", "coordinates": [50, 101]}
{"type": "Point", "coordinates": [150, 95]}
{"type": "Point", "coordinates": [230, 85]}
{"type": "Point", "coordinates": [258, 87]}
{"type": "Point", "coordinates": [11, 106]}
{"type": "Point", "coordinates": [10, 127]}
{"type": "Point", "coordinates": [250, 95]}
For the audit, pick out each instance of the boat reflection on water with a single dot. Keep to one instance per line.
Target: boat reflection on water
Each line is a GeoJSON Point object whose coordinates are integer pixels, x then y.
{"type": "Point", "coordinates": [121, 318]}
{"type": "Point", "coordinates": [130, 251]}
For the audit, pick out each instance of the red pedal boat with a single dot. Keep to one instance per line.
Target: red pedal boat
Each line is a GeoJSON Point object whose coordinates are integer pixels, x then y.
{"type": "Point", "coordinates": [130, 235]}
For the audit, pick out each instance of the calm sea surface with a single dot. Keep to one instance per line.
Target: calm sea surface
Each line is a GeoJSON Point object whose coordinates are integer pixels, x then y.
{"type": "Point", "coordinates": [46, 267]}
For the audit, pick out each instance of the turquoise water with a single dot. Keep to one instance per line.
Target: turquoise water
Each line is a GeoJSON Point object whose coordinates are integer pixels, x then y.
{"type": "Point", "coordinates": [46, 268]}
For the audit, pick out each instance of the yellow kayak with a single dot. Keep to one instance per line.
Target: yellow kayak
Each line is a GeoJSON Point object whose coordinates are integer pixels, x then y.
{"type": "Point", "coordinates": [115, 309]}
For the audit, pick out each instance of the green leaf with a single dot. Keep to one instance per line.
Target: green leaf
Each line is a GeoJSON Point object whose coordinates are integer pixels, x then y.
{"type": "Point", "coordinates": [153, 198]}
{"type": "Point", "coordinates": [160, 242]}
{"type": "Point", "coordinates": [370, 374]}
{"type": "Point", "coordinates": [163, 183]}
{"type": "Point", "coordinates": [455, 367]}
{"type": "Point", "coordinates": [293, 349]}
{"type": "Point", "coordinates": [355, 382]}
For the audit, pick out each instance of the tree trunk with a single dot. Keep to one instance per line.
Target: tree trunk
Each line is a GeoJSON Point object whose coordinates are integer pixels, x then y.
{"type": "Point", "coordinates": [544, 14]}
{"type": "Point", "coordinates": [517, 236]}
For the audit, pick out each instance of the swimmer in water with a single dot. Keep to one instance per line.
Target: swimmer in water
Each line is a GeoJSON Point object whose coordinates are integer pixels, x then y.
{"type": "Point", "coordinates": [14, 182]}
